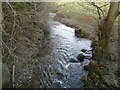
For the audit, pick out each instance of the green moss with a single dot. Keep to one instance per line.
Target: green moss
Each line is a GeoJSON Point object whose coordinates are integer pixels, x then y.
{"type": "Point", "coordinates": [94, 77]}
{"type": "Point", "coordinates": [88, 82]}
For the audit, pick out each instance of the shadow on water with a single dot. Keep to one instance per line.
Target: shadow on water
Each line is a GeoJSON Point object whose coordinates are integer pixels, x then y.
{"type": "Point", "coordinates": [58, 66]}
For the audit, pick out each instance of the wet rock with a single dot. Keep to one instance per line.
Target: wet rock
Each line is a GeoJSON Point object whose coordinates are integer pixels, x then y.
{"type": "Point", "coordinates": [86, 67]}
{"type": "Point", "coordinates": [81, 57]}
{"type": "Point", "coordinates": [79, 33]}
{"type": "Point", "coordinates": [72, 60]}
{"type": "Point", "coordinates": [84, 50]}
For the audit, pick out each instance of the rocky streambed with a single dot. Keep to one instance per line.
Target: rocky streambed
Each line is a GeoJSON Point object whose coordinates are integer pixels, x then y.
{"type": "Point", "coordinates": [60, 67]}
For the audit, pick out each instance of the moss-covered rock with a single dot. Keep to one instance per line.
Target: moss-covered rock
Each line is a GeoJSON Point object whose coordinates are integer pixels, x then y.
{"type": "Point", "coordinates": [80, 33]}
{"type": "Point", "coordinates": [81, 57]}
{"type": "Point", "coordinates": [95, 75]}
{"type": "Point", "coordinates": [93, 67]}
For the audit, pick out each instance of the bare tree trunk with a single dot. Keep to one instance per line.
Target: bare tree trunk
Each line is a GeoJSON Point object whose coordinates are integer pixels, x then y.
{"type": "Point", "coordinates": [105, 31]}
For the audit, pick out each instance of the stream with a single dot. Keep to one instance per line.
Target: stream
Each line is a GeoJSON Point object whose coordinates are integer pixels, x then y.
{"type": "Point", "coordinates": [58, 66]}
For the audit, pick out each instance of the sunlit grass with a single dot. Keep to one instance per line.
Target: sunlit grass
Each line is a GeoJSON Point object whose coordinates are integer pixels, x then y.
{"type": "Point", "coordinates": [77, 8]}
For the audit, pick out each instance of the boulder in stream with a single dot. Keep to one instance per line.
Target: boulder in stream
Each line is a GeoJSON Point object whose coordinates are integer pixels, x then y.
{"type": "Point", "coordinates": [79, 33]}
{"type": "Point", "coordinates": [81, 57]}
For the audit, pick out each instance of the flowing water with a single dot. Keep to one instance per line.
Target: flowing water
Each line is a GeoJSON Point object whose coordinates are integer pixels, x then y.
{"type": "Point", "coordinates": [58, 66]}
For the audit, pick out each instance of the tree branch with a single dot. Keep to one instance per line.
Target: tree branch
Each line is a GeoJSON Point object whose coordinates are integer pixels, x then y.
{"type": "Point", "coordinates": [99, 9]}
{"type": "Point", "coordinates": [104, 5]}
{"type": "Point", "coordinates": [14, 18]}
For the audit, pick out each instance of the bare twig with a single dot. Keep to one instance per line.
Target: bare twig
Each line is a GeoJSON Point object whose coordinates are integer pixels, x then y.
{"type": "Point", "coordinates": [10, 51]}
{"type": "Point", "coordinates": [99, 9]}
{"type": "Point", "coordinates": [13, 76]}
{"type": "Point", "coordinates": [14, 23]}
{"type": "Point", "coordinates": [104, 5]}
{"type": "Point", "coordinates": [6, 47]}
